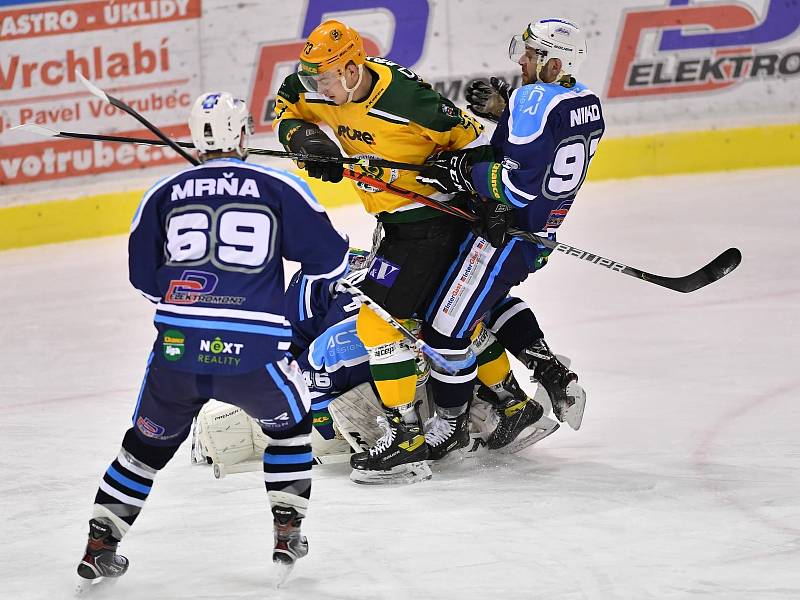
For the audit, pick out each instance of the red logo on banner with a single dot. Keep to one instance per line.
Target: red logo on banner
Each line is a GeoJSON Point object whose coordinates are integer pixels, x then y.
{"type": "Point", "coordinates": [701, 48]}
{"type": "Point", "coordinates": [630, 78]}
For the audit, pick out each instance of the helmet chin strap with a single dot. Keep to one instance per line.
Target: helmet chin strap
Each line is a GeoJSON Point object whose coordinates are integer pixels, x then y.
{"type": "Point", "coordinates": [351, 91]}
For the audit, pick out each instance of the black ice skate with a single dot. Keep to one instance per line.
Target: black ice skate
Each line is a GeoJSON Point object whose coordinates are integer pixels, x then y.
{"type": "Point", "coordinates": [100, 561]}
{"type": "Point", "coordinates": [397, 457]}
{"type": "Point", "coordinates": [289, 544]}
{"type": "Point", "coordinates": [521, 419]}
{"type": "Point", "coordinates": [446, 433]}
{"type": "Point", "coordinates": [566, 395]}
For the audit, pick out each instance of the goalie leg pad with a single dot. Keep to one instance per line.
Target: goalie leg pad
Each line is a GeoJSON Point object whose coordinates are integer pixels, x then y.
{"type": "Point", "coordinates": [224, 434]}
{"type": "Point", "coordinates": [355, 415]}
{"type": "Point", "coordinates": [573, 414]}
{"type": "Point", "coordinates": [356, 411]}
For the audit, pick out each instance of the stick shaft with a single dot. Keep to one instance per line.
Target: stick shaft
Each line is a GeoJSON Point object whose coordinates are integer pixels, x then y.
{"type": "Point", "coordinates": [449, 366]}
{"type": "Point", "coordinates": [720, 266]}
{"type": "Point", "coordinates": [364, 162]}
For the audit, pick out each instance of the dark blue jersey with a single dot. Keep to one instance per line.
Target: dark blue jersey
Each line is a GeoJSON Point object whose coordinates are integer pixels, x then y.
{"type": "Point", "coordinates": [546, 136]}
{"type": "Point", "coordinates": [207, 244]}
{"type": "Point", "coordinates": [325, 330]}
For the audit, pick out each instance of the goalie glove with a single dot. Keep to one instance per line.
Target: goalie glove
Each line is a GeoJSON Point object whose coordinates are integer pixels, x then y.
{"type": "Point", "coordinates": [488, 100]}
{"type": "Point", "coordinates": [310, 139]}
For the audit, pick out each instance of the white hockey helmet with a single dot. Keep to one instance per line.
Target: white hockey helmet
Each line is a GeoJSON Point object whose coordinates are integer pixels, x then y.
{"type": "Point", "coordinates": [551, 38]}
{"type": "Point", "coordinates": [219, 122]}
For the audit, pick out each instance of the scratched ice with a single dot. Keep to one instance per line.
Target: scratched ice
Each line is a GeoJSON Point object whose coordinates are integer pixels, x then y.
{"type": "Point", "coordinates": [682, 483]}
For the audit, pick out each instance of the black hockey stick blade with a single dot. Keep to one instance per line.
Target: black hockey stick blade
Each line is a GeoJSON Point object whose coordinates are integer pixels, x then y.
{"type": "Point", "coordinates": [713, 271]}
{"type": "Point", "coordinates": [716, 269]}
{"type": "Point", "coordinates": [117, 103]}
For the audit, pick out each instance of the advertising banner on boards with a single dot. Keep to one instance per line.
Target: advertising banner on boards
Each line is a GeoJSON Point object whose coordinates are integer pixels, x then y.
{"type": "Point", "coordinates": [659, 65]}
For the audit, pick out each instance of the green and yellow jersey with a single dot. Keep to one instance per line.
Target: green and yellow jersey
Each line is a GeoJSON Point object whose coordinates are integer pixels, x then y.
{"type": "Point", "coordinates": [402, 119]}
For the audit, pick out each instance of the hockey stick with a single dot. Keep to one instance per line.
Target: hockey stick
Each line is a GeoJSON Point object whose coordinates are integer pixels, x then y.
{"type": "Point", "coordinates": [117, 103]}
{"type": "Point", "coordinates": [409, 195]}
{"type": "Point", "coordinates": [361, 162]}
{"type": "Point", "coordinates": [449, 366]}
{"type": "Point", "coordinates": [714, 270]}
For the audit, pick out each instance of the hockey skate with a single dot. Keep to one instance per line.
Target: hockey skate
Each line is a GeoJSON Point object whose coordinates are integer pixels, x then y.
{"type": "Point", "coordinates": [100, 563]}
{"type": "Point", "coordinates": [521, 419]}
{"type": "Point", "coordinates": [289, 544]}
{"type": "Point", "coordinates": [397, 457]}
{"type": "Point", "coordinates": [445, 433]}
{"type": "Point", "coordinates": [566, 395]}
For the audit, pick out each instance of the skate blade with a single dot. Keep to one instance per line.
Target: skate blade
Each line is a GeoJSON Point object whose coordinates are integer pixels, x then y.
{"type": "Point", "coordinates": [531, 435]}
{"type": "Point", "coordinates": [92, 587]}
{"type": "Point", "coordinates": [283, 571]}
{"type": "Point", "coordinates": [401, 474]}
{"type": "Point", "coordinates": [574, 414]}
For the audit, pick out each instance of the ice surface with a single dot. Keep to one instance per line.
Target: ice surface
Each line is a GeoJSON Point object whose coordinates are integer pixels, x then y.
{"type": "Point", "coordinates": [682, 483]}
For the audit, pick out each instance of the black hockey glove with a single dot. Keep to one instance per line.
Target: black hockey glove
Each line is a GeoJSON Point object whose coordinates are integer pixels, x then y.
{"type": "Point", "coordinates": [495, 219]}
{"type": "Point", "coordinates": [310, 139]}
{"type": "Point", "coordinates": [488, 100]}
{"type": "Point", "coordinates": [448, 172]}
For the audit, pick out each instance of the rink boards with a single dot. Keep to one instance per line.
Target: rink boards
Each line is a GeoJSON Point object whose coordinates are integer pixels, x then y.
{"type": "Point", "coordinates": [686, 87]}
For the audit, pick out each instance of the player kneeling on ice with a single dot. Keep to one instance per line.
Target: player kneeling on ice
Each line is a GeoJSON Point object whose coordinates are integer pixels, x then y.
{"type": "Point", "coordinates": [344, 404]}
{"type": "Point", "coordinates": [206, 246]}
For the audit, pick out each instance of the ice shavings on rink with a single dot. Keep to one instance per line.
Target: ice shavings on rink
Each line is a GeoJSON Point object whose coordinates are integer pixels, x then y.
{"type": "Point", "coordinates": [682, 482]}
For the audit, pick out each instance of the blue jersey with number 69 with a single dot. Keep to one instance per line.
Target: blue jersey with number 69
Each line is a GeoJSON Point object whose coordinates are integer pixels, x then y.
{"type": "Point", "coordinates": [207, 246]}
{"type": "Point", "coordinates": [546, 136]}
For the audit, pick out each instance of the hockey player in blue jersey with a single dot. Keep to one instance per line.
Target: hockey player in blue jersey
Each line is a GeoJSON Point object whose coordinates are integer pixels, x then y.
{"type": "Point", "coordinates": [528, 178]}
{"type": "Point", "coordinates": [207, 247]}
